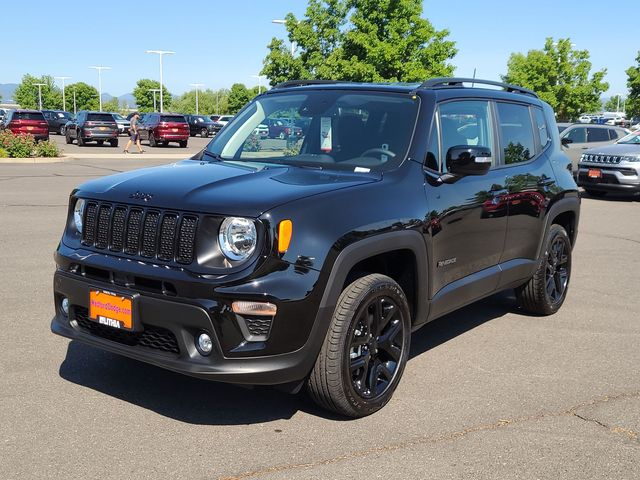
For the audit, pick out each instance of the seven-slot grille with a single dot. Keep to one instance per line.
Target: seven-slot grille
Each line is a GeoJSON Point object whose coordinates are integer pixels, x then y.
{"type": "Point", "coordinates": [145, 232]}
{"type": "Point", "coordinates": [588, 157]}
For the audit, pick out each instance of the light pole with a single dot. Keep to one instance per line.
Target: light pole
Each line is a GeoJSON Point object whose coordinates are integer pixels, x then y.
{"type": "Point", "coordinates": [64, 100]}
{"type": "Point", "coordinates": [99, 68]}
{"type": "Point", "coordinates": [259, 77]}
{"type": "Point", "coordinates": [161, 53]}
{"type": "Point", "coordinates": [40, 85]}
{"type": "Point", "coordinates": [74, 101]}
{"type": "Point", "coordinates": [284, 22]}
{"type": "Point", "coordinates": [197, 85]}
{"type": "Point", "coordinates": [154, 90]}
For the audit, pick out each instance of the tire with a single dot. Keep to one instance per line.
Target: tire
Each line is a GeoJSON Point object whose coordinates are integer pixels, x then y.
{"type": "Point", "coordinates": [68, 138]}
{"type": "Point", "coordinates": [204, 133]}
{"type": "Point", "coordinates": [281, 136]}
{"type": "Point", "coordinates": [349, 385]}
{"type": "Point", "coordinates": [183, 143]}
{"type": "Point", "coordinates": [79, 139]}
{"type": "Point", "coordinates": [61, 130]}
{"type": "Point", "coordinates": [100, 142]}
{"type": "Point", "coordinates": [113, 142]}
{"type": "Point", "coordinates": [547, 289]}
{"type": "Point", "coordinates": [595, 193]}
{"type": "Point", "coordinates": [152, 140]}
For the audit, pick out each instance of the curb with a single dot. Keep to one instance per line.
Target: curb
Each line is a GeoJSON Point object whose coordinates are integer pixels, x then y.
{"type": "Point", "coordinates": [86, 156]}
{"type": "Point", "coordinates": [35, 160]}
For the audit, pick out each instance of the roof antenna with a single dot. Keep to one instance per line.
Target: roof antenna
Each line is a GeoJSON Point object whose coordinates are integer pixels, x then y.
{"type": "Point", "coordinates": [474, 77]}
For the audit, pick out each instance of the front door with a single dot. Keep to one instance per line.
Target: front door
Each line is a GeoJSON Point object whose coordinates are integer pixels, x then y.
{"type": "Point", "coordinates": [467, 219]}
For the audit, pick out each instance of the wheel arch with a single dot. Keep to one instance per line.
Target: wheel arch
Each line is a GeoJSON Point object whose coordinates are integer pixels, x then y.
{"type": "Point", "coordinates": [565, 212]}
{"type": "Point", "coordinates": [400, 255]}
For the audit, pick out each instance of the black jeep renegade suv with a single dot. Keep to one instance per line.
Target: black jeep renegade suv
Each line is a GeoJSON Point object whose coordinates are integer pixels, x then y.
{"type": "Point", "coordinates": [311, 259]}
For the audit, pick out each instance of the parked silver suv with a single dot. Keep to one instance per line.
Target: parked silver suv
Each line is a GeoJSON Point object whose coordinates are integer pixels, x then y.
{"type": "Point", "coordinates": [611, 168]}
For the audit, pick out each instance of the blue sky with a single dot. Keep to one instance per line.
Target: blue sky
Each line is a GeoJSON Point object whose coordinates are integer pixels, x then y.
{"type": "Point", "coordinates": [219, 43]}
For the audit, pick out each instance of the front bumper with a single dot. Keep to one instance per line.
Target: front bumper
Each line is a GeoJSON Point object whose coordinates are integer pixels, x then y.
{"type": "Point", "coordinates": [168, 326]}
{"type": "Point", "coordinates": [620, 178]}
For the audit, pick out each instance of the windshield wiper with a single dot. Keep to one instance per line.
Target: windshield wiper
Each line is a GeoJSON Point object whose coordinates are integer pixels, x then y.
{"type": "Point", "coordinates": [215, 157]}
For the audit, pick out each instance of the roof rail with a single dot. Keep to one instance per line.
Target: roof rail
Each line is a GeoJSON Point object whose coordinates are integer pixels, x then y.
{"type": "Point", "coordinates": [301, 83]}
{"type": "Point", "coordinates": [454, 82]}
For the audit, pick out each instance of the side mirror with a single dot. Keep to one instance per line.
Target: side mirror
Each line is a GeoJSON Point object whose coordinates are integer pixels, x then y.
{"type": "Point", "coordinates": [565, 141]}
{"type": "Point", "coordinates": [463, 160]}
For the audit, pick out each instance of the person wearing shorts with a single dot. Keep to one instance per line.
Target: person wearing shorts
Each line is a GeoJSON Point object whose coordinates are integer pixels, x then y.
{"type": "Point", "coordinates": [134, 136]}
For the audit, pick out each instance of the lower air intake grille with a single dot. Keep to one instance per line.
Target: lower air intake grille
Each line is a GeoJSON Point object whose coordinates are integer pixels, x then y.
{"type": "Point", "coordinates": [153, 337]}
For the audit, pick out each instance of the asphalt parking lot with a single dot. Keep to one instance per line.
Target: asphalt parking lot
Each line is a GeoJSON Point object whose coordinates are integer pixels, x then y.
{"type": "Point", "coordinates": [488, 392]}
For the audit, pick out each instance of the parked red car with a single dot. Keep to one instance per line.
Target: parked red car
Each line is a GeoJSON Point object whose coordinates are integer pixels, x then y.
{"type": "Point", "coordinates": [27, 121]}
{"type": "Point", "coordinates": [162, 128]}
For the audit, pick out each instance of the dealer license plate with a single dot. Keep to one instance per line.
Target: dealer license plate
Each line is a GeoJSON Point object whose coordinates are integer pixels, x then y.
{"type": "Point", "coordinates": [111, 309]}
{"type": "Point", "coordinates": [595, 173]}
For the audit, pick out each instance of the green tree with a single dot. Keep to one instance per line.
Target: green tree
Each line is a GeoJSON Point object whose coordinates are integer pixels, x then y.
{"type": "Point", "coordinates": [112, 105]}
{"type": "Point", "coordinates": [633, 83]}
{"type": "Point", "coordinates": [86, 96]}
{"type": "Point", "coordinates": [144, 95]}
{"type": "Point", "coordinates": [561, 76]}
{"type": "Point", "coordinates": [26, 94]}
{"type": "Point", "coordinates": [238, 97]}
{"type": "Point", "coordinates": [386, 40]}
{"type": "Point", "coordinates": [614, 104]}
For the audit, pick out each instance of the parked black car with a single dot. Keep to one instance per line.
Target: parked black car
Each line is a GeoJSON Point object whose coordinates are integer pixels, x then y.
{"type": "Point", "coordinates": [92, 127]}
{"type": "Point", "coordinates": [311, 262]}
{"type": "Point", "coordinates": [200, 125]}
{"type": "Point", "coordinates": [57, 120]}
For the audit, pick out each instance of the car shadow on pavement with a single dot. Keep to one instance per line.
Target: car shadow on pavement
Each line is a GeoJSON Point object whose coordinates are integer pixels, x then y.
{"type": "Point", "coordinates": [613, 197]}
{"type": "Point", "coordinates": [202, 402]}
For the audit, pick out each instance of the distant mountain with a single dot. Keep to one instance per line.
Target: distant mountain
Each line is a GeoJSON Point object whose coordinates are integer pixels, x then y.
{"type": "Point", "coordinates": [7, 90]}
{"type": "Point", "coordinates": [127, 97]}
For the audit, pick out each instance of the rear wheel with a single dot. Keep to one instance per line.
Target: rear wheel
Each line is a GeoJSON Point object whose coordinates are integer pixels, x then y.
{"type": "Point", "coordinates": [68, 138]}
{"type": "Point", "coordinates": [152, 140]}
{"type": "Point", "coordinates": [546, 291]}
{"type": "Point", "coordinates": [79, 139]}
{"type": "Point", "coordinates": [183, 143]}
{"type": "Point", "coordinates": [365, 350]}
{"type": "Point", "coordinates": [113, 142]}
{"type": "Point", "coordinates": [595, 193]}
{"type": "Point", "coordinates": [100, 142]}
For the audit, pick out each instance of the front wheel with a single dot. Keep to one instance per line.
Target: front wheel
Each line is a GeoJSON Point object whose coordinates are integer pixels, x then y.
{"type": "Point", "coordinates": [68, 138]}
{"type": "Point", "coordinates": [61, 130]}
{"type": "Point", "coordinates": [204, 133]}
{"type": "Point", "coordinates": [546, 291]}
{"type": "Point", "coordinates": [365, 350]}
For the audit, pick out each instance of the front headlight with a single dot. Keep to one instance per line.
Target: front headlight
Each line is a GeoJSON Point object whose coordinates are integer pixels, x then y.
{"type": "Point", "coordinates": [78, 214]}
{"type": "Point", "coordinates": [237, 238]}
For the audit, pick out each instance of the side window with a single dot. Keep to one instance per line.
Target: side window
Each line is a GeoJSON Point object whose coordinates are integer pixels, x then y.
{"type": "Point", "coordinates": [516, 133]}
{"type": "Point", "coordinates": [464, 123]}
{"type": "Point", "coordinates": [577, 135]}
{"type": "Point", "coordinates": [597, 135]}
{"type": "Point", "coordinates": [613, 134]}
{"type": "Point", "coordinates": [541, 125]}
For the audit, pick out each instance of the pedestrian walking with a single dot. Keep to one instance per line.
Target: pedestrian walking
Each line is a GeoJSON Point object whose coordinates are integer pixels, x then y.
{"type": "Point", "coordinates": [134, 136]}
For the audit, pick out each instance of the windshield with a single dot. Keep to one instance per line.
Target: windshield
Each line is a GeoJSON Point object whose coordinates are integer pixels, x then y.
{"type": "Point", "coordinates": [335, 129]}
{"type": "Point", "coordinates": [117, 116]}
{"type": "Point", "coordinates": [632, 138]}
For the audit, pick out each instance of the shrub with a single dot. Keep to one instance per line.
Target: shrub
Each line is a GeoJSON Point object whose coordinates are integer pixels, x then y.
{"type": "Point", "coordinates": [46, 149]}
{"type": "Point", "coordinates": [3, 153]}
{"type": "Point", "coordinates": [253, 143]}
{"type": "Point", "coordinates": [17, 146]}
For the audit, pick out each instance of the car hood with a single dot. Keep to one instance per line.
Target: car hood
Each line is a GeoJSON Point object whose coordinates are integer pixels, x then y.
{"type": "Point", "coordinates": [615, 149]}
{"type": "Point", "coordinates": [223, 188]}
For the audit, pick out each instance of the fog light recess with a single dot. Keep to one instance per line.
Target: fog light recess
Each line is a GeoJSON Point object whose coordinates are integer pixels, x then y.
{"type": "Point", "coordinates": [64, 305]}
{"type": "Point", "coordinates": [204, 344]}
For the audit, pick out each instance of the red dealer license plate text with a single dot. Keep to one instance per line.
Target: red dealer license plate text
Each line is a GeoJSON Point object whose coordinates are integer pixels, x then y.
{"type": "Point", "coordinates": [111, 309]}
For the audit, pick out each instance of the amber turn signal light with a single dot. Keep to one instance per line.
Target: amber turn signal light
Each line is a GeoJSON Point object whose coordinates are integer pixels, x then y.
{"type": "Point", "coordinates": [285, 230]}
{"type": "Point", "coordinates": [254, 308]}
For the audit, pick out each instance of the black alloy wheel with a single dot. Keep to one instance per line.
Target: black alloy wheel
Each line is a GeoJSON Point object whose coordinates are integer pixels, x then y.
{"type": "Point", "coordinates": [61, 130]}
{"type": "Point", "coordinates": [204, 133]}
{"type": "Point", "coordinates": [557, 270]}
{"type": "Point", "coordinates": [376, 347]}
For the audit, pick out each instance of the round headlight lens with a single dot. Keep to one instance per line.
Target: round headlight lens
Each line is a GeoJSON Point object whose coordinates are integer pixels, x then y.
{"type": "Point", "coordinates": [237, 238]}
{"type": "Point", "coordinates": [78, 213]}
